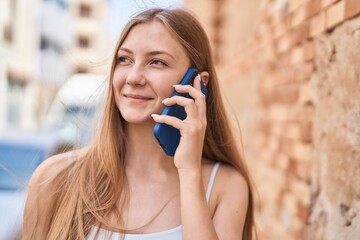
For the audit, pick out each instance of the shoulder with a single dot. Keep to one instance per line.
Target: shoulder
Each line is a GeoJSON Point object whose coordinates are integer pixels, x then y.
{"type": "Point", "coordinates": [227, 178]}
{"type": "Point", "coordinates": [229, 184]}
{"type": "Point", "coordinates": [230, 201]}
{"type": "Point", "coordinates": [41, 194]}
{"type": "Point", "coordinates": [52, 166]}
{"type": "Point", "coordinates": [232, 183]}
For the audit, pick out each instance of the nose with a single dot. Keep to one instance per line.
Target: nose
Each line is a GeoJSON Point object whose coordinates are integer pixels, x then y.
{"type": "Point", "coordinates": [135, 77]}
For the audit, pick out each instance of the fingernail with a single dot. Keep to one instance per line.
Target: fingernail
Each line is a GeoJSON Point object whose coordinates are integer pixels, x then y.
{"type": "Point", "coordinates": [164, 100]}
{"type": "Point", "coordinates": [177, 85]}
{"type": "Point", "coordinates": [154, 115]}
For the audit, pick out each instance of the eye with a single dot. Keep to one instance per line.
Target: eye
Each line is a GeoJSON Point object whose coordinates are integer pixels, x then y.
{"type": "Point", "coordinates": [123, 60]}
{"type": "Point", "coordinates": [158, 62]}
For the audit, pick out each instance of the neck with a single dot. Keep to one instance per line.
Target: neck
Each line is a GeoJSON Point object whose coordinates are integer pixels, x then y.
{"type": "Point", "coordinates": [143, 152]}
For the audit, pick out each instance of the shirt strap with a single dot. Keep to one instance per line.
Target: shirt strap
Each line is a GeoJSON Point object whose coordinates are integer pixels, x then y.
{"type": "Point", "coordinates": [211, 181]}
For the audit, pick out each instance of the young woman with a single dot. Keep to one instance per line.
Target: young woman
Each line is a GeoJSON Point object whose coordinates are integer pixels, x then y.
{"type": "Point", "coordinates": [123, 185]}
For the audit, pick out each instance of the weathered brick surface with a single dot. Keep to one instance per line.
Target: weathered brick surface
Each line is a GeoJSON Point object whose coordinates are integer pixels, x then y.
{"type": "Point", "coordinates": [352, 8]}
{"type": "Point", "coordinates": [335, 14]}
{"type": "Point", "coordinates": [290, 71]}
{"type": "Point", "coordinates": [317, 24]}
{"type": "Point", "coordinates": [337, 132]}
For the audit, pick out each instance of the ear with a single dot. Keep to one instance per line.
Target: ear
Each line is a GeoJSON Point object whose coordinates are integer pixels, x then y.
{"type": "Point", "coordinates": [204, 77]}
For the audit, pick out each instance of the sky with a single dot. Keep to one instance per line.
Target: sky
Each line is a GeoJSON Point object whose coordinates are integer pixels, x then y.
{"type": "Point", "coordinates": [120, 11]}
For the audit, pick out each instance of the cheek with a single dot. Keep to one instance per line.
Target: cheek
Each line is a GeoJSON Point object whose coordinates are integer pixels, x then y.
{"type": "Point", "coordinates": [164, 89]}
{"type": "Point", "coordinates": [118, 80]}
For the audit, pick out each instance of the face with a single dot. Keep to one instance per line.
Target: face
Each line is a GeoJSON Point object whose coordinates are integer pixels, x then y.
{"type": "Point", "coordinates": [150, 61]}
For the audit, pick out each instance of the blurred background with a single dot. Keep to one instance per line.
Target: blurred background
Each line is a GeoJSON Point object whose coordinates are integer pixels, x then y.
{"type": "Point", "coordinates": [289, 72]}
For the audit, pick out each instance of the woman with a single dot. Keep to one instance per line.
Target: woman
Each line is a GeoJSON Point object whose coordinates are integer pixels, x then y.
{"type": "Point", "coordinates": [123, 184]}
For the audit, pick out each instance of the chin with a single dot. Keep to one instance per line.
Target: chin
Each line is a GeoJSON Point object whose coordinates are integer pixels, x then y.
{"type": "Point", "coordinates": [137, 119]}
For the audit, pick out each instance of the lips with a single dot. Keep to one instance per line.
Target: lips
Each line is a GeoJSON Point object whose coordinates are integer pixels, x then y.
{"type": "Point", "coordinates": [137, 97]}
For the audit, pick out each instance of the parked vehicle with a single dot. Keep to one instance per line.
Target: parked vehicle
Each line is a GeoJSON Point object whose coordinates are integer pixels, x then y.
{"type": "Point", "coordinates": [67, 124]}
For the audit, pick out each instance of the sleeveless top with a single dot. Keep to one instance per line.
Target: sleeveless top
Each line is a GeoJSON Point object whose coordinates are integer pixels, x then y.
{"type": "Point", "coordinates": [173, 234]}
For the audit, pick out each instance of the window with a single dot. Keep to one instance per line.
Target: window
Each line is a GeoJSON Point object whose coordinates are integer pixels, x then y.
{"type": "Point", "coordinates": [9, 20]}
{"type": "Point", "coordinates": [83, 42]}
{"type": "Point", "coordinates": [85, 10]}
{"type": "Point", "coordinates": [81, 70]}
{"type": "Point", "coordinates": [44, 43]}
{"type": "Point", "coordinates": [16, 95]}
{"type": "Point", "coordinates": [8, 32]}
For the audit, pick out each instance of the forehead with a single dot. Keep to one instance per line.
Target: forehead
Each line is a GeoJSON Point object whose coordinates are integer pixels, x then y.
{"type": "Point", "coordinates": [153, 34]}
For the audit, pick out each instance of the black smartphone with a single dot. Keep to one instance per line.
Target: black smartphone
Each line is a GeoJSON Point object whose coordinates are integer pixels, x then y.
{"type": "Point", "coordinates": [168, 136]}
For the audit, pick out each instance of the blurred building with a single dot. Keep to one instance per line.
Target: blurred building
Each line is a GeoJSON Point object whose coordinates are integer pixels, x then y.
{"type": "Point", "coordinates": [92, 50]}
{"type": "Point", "coordinates": [290, 71]}
{"type": "Point", "coordinates": [19, 46]}
{"type": "Point", "coordinates": [42, 43]}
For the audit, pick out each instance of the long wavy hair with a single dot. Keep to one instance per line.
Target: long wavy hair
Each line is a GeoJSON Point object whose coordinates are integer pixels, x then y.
{"type": "Point", "coordinates": [90, 189]}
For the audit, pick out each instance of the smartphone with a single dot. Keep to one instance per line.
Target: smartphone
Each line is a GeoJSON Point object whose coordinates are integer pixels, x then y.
{"type": "Point", "coordinates": [168, 136]}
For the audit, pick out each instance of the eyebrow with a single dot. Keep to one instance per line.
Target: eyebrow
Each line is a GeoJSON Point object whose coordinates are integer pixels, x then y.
{"type": "Point", "coordinates": [152, 53]}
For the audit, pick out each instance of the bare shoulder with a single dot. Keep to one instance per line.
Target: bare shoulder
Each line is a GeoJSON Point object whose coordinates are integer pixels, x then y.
{"type": "Point", "coordinates": [231, 181]}
{"type": "Point", "coordinates": [231, 191]}
{"type": "Point", "coordinates": [52, 166]}
{"type": "Point", "coordinates": [229, 184]}
{"type": "Point", "coordinates": [41, 194]}
{"type": "Point", "coordinates": [228, 178]}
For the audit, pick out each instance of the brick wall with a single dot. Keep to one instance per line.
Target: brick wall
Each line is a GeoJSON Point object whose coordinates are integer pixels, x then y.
{"type": "Point", "coordinates": [290, 73]}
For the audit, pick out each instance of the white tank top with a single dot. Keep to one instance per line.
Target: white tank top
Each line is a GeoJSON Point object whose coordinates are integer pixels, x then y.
{"type": "Point", "coordinates": [173, 234]}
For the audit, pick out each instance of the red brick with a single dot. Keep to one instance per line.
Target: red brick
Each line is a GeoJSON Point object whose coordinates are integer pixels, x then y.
{"type": "Point", "coordinates": [305, 93]}
{"type": "Point", "coordinates": [278, 129]}
{"type": "Point", "coordinates": [301, 151]}
{"type": "Point", "coordinates": [303, 113]}
{"type": "Point", "coordinates": [264, 126]}
{"type": "Point", "coordinates": [317, 24]}
{"type": "Point", "coordinates": [303, 213]}
{"type": "Point", "coordinates": [302, 171]}
{"type": "Point", "coordinates": [298, 16]}
{"type": "Point", "coordinates": [284, 43]}
{"type": "Point", "coordinates": [300, 33]}
{"type": "Point", "coordinates": [293, 131]}
{"type": "Point", "coordinates": [296, 130]}
{"type": "Point", "coordinates": [296, 55]}
{"type": "Point", "coordinates": [313, 7]}
{"type": "Point", "coordinates": [282, 161]}
{"type": "Point", "coordinates": [283, 59]}
{"type": "Point", "coordinates": [286, 94]}
{"type": "Point", "coordinates": [273, 142]}
{"type": "Point", "coordinates": [278, 112]}
{"type": "Point", "coordinates": [301, 190]}
{"type": "Point", "coordinates": [352, 8]}
{"type": "Point", "coordinates": [302, 53]}
{"type": "Point", "coordinates": [326, 3]}
{"type": "Point", "coordinates": [335, 14]}
{"type": "Point", "coordinates": [283, 76]}
{"type": "Point", "coordinates": [285, 146]}
{"type": "Point", "coordinates": [269, 52]}
{"type": "Point", "coordinates": [294, 5]}
{"type": "Point", "coordinates": [309, 51]}
{"type": "Point", "coordinates": [279, 29]}
{"type": "Point", "coordinates": [264, 33]}
{"type": "Point", "coordinates": [306, 132]}
{"type": "Point", "coordinates": [303, 71]}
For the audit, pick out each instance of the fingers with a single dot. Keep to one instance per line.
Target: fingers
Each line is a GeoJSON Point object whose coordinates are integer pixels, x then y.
{"type": "Point", "coordinates": [189, 104]}
{"type": "Point", "coordinates": [195, 107]}
{"type": "Point", "coordinates": [169, 120]}
{"type": "Point", "coordinates": [194, 91]}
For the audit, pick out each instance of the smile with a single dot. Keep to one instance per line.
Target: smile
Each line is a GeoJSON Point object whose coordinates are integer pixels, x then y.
{"type": "Point", "coordinates": [137, 98]}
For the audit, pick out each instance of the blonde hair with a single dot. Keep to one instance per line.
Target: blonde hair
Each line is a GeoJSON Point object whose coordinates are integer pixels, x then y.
{"type": "Point", "coordinates": [89, 189]}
